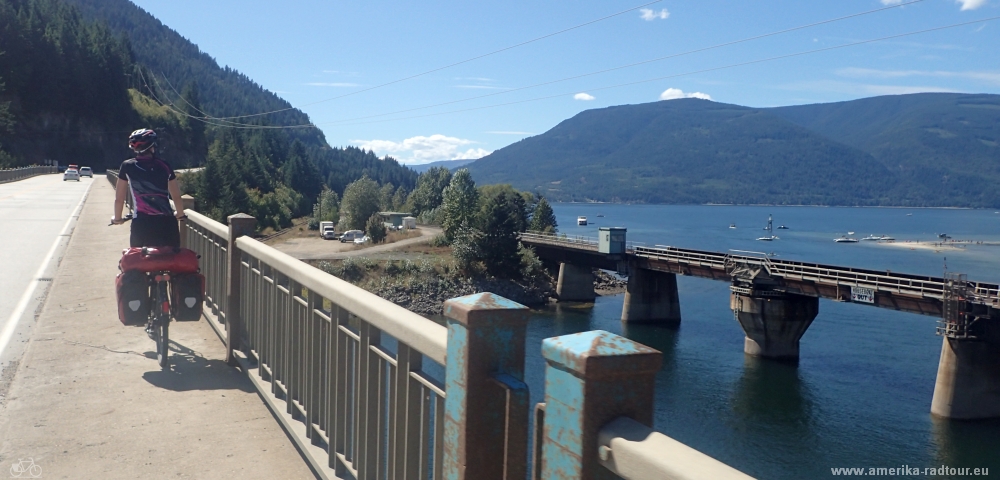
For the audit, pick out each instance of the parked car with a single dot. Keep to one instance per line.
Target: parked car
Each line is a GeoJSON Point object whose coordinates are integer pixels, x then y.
{"type": "Point", "coordinates": [71, 174]}
{"type": "Point", "coordinates": [86, 172]}
{"type": "Point", "coordinates": [351, 235]}
{"type": "Point", "coordinates": [359, 241]}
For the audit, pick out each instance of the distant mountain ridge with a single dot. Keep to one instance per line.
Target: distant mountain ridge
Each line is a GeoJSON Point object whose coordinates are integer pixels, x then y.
{"type": "Point", "coordinates": [906, 150]}
{"type": "Point", "coordinates": [449, 164]}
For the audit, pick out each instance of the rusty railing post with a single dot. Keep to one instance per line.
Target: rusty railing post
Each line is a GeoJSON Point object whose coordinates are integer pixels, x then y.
{"type": "Point", "coordinates": [486, 407]}
{"type": "Point", "coordinates": [591, 378]}
{"type": "Point", "coordinates": [239, 225]}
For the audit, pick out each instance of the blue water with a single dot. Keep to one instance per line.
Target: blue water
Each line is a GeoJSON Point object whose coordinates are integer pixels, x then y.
{"type": "Point", "coordinates": [860, 395]}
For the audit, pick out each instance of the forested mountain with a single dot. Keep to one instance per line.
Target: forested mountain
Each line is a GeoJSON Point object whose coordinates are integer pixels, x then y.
{"type": "Point", "coordinates": [76, 76]}
{"type": "Point", "coordinates": [449, 164]}
{"type": "Point", "coordinates": [942, 146]}
{"type": "Point", "coordinates": [918, 150]}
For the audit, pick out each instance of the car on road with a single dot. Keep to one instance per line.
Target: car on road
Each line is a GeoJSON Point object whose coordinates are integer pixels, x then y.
{"type": "Point", "coordinates": [71, 174]}
{"type": "Point", "coordinates": [86, 172]}
{"type": "Point", "coordinates": [351, 235]}
{"type": "Point", "coordinates": [362, 240]}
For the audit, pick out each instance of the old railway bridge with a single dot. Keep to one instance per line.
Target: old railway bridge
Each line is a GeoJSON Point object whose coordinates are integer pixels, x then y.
{"type": "Point", "coordinates": [775, 301]}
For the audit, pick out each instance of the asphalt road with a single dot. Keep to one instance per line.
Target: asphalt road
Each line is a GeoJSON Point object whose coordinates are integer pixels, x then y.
{"type": "Point", "coordinates": [36, 219]}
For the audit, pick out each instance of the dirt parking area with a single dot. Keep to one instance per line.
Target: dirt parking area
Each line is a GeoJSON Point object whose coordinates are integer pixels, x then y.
{"type": "Point", "coordinates": [315, 248]}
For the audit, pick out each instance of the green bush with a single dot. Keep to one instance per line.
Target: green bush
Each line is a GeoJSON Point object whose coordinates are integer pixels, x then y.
{"type": "Point", "coordinates": [440, 241]}
{"type": "Point", "coordinates": [375, 229]}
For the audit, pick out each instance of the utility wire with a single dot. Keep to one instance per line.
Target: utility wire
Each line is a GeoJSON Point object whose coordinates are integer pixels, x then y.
{"type": "Point", "coordinates": [644, 62]}
{"type": "Point", "coordinates": [411, 77]}
{"type": "Point", "coordinates": [752, 62]}
{"type": "Point", "coordinates": [621, 67]}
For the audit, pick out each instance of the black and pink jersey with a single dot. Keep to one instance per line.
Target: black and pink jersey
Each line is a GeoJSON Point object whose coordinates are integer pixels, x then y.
{"type": "Point", "coordinates": [147, 179]}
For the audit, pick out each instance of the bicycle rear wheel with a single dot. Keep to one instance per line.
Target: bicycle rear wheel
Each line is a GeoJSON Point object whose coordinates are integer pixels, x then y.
{"type": "Point", "coordinates": [162, 341]}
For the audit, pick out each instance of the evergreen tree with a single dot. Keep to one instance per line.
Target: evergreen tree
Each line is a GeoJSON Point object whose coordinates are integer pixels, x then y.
{"type": "Point", "coordinates": [385, 196]}
{"type": "Point", "coordinates": [399, 199]}
{"type": "Point", "coordinates": [360, 202]}
{"type": "Point", "coordinates": [460, 202]}
{"type": "Point", "coordinates": [196, 128]}
{"type": "Point", "coordinates": [327, 209]}
{"type": "Point", "coordinates": [302, 175]}
{"type": "Point", "coordinates": [375, 229]}
{"type": "Point", "coordinates": [498, 244]}
{"type": "Point", "coordinates": [430, 186]}
{"type": "Point", "coordinates": [543, 219]}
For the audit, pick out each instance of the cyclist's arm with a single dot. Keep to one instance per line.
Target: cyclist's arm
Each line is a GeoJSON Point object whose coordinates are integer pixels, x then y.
{"type": "Point", "coordinates": [175, 194]}
{"type": "Point", "coordinates": [121, 191]}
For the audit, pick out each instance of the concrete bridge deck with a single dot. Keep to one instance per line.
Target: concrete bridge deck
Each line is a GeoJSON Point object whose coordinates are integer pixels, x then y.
{"type": "Point", "coordinates": [88, 400]}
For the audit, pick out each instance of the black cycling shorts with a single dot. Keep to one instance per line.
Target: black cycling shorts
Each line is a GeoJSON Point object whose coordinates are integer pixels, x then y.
{"type": "Point", "coordinates": [155, 231]}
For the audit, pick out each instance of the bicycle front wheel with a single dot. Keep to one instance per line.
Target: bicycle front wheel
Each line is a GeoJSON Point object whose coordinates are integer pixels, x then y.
{"type": "Point", "coordinates": [163, 341]}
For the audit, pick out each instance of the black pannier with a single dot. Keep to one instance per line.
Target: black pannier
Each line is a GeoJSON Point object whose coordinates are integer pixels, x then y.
{"type": "Point", "coordinates": [188, 292]}
{"type": "Point", "coordinates": [132, 288]}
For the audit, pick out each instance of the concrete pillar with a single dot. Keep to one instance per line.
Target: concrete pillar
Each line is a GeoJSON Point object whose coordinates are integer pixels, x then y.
{"type": "Point", "coordinates": [774, 323]}
{"type": "Point", "coordinates": [576, 284]}
{"type": "Point", "coordinates": [968, 378]}
{"type": "Point", "coordinates": [239, 225]}
{"type": "Point", "coordinates": [486, 409]}
{"type": "Point", "coordinates": [651, 297]}
{"type": "Point", "coordinates": [187, 201]}
{"type": "Point", "coordinates": [592, 378]}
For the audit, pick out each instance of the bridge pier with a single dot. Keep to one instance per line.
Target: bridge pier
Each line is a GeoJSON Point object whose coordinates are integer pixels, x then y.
{"type": "Point", "coordinates": [651, 297]}
{"type": "Point", "coordinates": [576, 284]}
{"type": "Point", "coordinates": [773, 321]}
{"type": "Point", "coordinates": [968, 378]}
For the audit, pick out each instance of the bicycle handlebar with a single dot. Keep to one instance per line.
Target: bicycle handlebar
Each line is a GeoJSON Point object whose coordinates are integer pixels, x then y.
{"type": "Point", "coordinates": [126, 218]}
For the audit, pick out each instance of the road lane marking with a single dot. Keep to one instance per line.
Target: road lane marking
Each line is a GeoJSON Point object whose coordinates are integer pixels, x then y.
{"type": "Point", "coordinates": [26, 190]}
{"type": "Point", "coordinates": [29, 293]}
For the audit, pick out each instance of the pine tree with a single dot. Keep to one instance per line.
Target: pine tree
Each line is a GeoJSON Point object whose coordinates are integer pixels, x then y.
{"type": "Point", "coordinates": [460, 204]}
{"type": "Point", "coordinates": [498, 244]}
{"type": "Point", "coordinates": [543, 219]}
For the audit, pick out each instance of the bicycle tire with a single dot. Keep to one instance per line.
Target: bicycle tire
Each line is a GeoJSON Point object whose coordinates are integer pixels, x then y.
{"type": "Point", "coordinates": [163, 342]}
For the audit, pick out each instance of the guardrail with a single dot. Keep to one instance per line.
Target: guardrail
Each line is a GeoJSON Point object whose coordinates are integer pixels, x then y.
{"type": "Point", "coordinates": [370, 390]}
{"type": "Point", "coordinates": [20, 173]}
{"type": "Point", "coordinates": [112, 176]}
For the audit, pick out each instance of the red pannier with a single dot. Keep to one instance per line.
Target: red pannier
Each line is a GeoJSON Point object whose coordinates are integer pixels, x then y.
{"type": "Point", "coordinates": [132, 289]}
{"type": "Point", "coordinates": [159, 259]}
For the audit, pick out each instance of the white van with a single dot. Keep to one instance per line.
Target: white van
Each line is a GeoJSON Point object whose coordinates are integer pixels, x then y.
{"type": "Point", "coordinates": [351, 235]}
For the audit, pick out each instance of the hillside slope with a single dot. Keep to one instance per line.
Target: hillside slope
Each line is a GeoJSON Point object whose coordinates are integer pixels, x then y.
{"type": "Point", "coordinates": [945, 147]}
{"type": "Point", "coordinates": [687, 151]}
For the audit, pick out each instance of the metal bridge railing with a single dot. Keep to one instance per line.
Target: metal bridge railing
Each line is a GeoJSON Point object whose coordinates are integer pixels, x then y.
{"type": "Point", "coordinates": [578, 240]}
{"type": "Point", "coordinates": [320, 342]}
{"type": "Point", "coordinates": [20, 173]}
{"type": "Point", "coordinates": [370, 390]}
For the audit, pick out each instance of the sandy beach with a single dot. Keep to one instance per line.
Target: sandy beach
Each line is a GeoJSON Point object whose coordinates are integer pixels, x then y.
{"type": "Point", "coordinates": [936, 246]}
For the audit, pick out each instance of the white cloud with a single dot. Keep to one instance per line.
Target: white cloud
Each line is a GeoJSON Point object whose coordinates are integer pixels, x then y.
{"type": "Point", "coordinates": [986, 77]}
{"type": "Point", "coordinates": [650, 15]}
{"type": "Point", "coordinates": [971, 4]}
{"type": "Point", "coordinates": [583, 96]}
{"type": "Point", "coordinates": [421, 149]}
{"type": "Point", "coordinates": [891, 2]}
{"type": "Point", "coordinates": [675, 93]}
{"type": "Point", "coordinates": [334, 84]}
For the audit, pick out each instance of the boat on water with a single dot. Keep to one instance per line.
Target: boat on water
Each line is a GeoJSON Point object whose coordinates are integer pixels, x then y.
{"type": "Point", "coordinates": [600, 215]}
{"type": "Point", "coordinates": [850, 233]}
{"type": "Point", "coordinates": [845, 239]}
{"type": "Point", "coordinates": [871, 238]}
{"type": "Point", "coordinates": [770, 231]}
{"type": "Point", "coordinates": [732, 225]}
{"type": "Point", "coordinates": [581, 220]}
{"type": "Point", "coordinates": [782, 227]}
{"type": "Point", "coordinates": [886, 238]}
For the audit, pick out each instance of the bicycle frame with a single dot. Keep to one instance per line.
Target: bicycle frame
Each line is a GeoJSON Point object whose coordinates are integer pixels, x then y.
{"type": "Point", "coordinates": [159, 315]}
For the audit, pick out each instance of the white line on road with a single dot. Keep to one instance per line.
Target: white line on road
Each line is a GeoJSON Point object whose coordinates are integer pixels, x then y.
{"type": "Point", "coordinates": [15, 317]}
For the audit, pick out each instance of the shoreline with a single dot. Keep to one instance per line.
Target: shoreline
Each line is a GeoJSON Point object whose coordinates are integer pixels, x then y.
{"type": "Point", "coordinates": [774, 205]}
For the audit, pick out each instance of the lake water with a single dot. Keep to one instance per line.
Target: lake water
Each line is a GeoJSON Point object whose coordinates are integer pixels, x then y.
{"type": "Point", "coordinates": [861, 393]}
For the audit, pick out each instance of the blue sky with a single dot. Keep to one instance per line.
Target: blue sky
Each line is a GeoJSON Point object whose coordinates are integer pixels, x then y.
{"type": "Point", "coordinates": [308, 51]}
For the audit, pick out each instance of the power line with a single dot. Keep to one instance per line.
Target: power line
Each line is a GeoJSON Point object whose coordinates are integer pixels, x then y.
{"type": "Point", "coordinates": [450, 65]}
{"type": "Point", "coordinates": [752, 62]}
{"type": "Point", "coordinates": [644, 62]}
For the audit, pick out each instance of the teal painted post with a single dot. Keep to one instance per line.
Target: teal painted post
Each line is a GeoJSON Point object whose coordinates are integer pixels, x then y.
{"type": "Point", "coordinates": [486, 404]}
{"type": "Point", "coordinates": [592, 378]}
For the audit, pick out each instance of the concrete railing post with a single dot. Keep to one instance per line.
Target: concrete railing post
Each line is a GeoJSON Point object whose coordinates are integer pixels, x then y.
{"type": "Point", "coordinates": [188, 202]}
{"type": "Point", "coordinates": [592, 378]}
{"type": "Point", "coordinates": [486, 407]}
{"type": "Point", "coordinates": [239, 225]}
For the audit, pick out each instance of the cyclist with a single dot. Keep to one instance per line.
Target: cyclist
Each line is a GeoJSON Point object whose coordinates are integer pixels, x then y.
{"type": "Point", "coordinates": [152, 183]}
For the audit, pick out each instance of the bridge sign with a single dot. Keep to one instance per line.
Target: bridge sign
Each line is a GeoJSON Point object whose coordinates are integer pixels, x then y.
{"type": "Point", "coordinates": [863, 295]}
